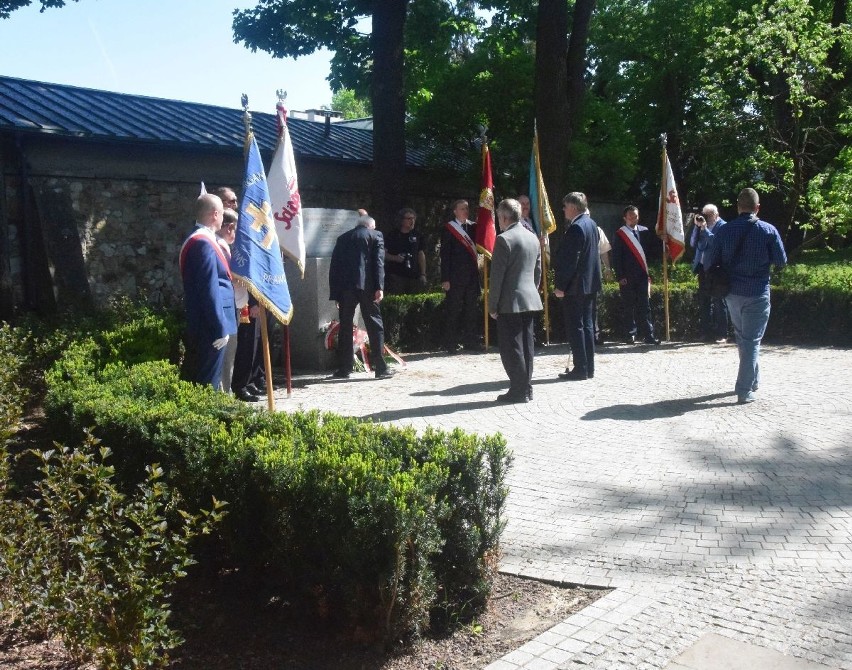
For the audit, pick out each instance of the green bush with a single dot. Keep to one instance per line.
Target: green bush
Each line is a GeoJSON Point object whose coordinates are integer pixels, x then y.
{"type": "Point", "coordinates": [810, 304]}
{"type": "Point", "coordinates": [13, 395]}
{"type": "Point", "coordinates": [376, 526]}
{"type": "Point", "coordinates": [81, 560]}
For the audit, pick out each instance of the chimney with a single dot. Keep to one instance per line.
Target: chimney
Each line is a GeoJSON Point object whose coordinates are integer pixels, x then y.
{"type": "Point", "coordinates": [327, 123]}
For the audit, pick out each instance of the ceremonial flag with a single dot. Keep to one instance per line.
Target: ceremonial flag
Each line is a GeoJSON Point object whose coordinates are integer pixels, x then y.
{"type": "Point", "coordinates": [255, 255]}
{"type": "Point", "coordinates": [486, 234]}
{"type": "Point", "coordinates": [284, 195]}
{"type": "Point", "coordinates": [669, 216]}
{"type": "Point", "coordinates": [542, 216]}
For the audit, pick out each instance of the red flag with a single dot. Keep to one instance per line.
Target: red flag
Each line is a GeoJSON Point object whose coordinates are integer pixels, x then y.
{"type": "Point", "coordinates": [486, 233]}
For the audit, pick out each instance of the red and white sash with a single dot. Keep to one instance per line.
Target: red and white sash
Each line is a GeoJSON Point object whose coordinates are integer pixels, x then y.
{"type": "Point", "coordinates": [459, 233]}
{"type": "Point", "coordinates": [207, 235]}
{"type": "Point", "coordinates": [629, 238]}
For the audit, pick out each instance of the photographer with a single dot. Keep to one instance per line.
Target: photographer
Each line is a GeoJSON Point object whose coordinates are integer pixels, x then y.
{"type": "Point", "coordinates": [405, 259]}
{"type": "Point", "coordinates": [713, 315]}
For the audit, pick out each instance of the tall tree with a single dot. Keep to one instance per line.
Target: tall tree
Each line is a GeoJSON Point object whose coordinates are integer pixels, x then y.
{"type": "Point", "coordinates": [361, 62]}
{"type": "Point", "coordinates": [552, 110]}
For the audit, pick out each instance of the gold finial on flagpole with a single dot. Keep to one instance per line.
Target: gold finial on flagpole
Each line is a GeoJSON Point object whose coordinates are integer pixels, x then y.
{"type": "Point", "coordinates": [664, 139]}
{"type": "Point", "coordinates": [282, 95]}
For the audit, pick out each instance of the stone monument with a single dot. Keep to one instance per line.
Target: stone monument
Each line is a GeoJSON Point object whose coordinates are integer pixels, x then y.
{"type": "Point", "coordinates": [312, 310]}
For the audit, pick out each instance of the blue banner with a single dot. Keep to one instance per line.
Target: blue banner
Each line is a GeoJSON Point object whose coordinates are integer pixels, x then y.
{"type": "Point", "coordinates": [255, 255]}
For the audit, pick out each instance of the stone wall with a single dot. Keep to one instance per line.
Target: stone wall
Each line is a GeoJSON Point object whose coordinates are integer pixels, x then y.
{"type": "Point", "coordinates": [131, 209]}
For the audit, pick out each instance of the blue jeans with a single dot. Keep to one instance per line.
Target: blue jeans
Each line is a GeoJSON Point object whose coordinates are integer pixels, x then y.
{"type": "Point", "coordinates": [749, 316]}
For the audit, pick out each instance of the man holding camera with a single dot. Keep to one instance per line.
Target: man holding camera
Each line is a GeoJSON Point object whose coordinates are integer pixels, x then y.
{"type": "Point", "coordinates": [713, 315]}
{"type": "Point", "coordinates": [405, 258]}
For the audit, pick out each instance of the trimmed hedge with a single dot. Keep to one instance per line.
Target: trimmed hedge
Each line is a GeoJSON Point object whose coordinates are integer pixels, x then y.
{"type": "Point", "coordinates": [815, 314]}
{"type": "Point", "coordinates": [376, 526]}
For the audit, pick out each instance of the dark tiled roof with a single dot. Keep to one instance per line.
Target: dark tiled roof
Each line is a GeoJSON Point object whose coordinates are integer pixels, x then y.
{"type": "Point", "coordinates": [38, 107]}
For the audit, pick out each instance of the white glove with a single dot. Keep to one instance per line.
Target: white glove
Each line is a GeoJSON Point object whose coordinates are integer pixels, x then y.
{"type": "Point", "coordinates": [220, 343]}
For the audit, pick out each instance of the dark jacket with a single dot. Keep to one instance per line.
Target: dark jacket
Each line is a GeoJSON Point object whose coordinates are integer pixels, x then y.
{"type": "Point", "coordinates": [624, 262]}
{"type": "Point", "coordinates": [457, 264]}
{"type": "Point", "coordinates": [577, 269]}
{"type": "Point", "coordinates": [357, 262]}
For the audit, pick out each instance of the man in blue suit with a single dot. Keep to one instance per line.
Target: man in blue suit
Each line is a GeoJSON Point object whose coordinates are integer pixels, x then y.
{"type": "Point", "coordinates": [208, 296]}
{"type": "Point", "coordinates": [577, 279]}
{"type": "Point", "coordinates": [357, 277]}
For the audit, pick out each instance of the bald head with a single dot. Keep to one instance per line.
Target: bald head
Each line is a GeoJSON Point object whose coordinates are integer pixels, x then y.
{"type": "Point", "coordinates": [748, 201]}
{"type": "Point", "coordinates": [208, 211]}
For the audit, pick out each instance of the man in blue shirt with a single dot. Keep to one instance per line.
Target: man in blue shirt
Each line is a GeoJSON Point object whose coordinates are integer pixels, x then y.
{"type": "Point", "coordinates": [713, 317]}
{"type": "Point", "coordinates": [748, 301]}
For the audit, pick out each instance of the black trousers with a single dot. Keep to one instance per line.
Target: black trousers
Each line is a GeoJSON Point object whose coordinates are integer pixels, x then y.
{"type": "Point", "coordinates": [578, 313]}
{"type": "Point", "coordinates": [462, 314]}
{"type": "Point", "coordinates": [375, 330]}
{"type": "Point", "coordinates": [515, 335]}
{"type": "Point", "coordinates": [248, 360]}
{"type": "Point", "coordinates": [636, 309]}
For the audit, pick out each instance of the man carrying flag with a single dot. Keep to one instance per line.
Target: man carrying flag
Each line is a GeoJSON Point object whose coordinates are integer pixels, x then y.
{"type": "Point", "coordinates": [284, 195]}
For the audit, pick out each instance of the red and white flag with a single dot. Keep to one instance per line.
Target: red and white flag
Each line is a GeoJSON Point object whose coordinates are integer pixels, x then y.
{"type": "Point", "coordinates": [669, 216]}
{"type": "Point", "coordinates": [284, 195]}
{"type": "Point", "coordinates": [486, 233]}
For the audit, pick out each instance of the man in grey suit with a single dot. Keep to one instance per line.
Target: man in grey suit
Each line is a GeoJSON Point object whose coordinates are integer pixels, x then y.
{"type": "Point", "coordinates": [577, 278]}
{"type": "Point", "coordinates": [513, 299]}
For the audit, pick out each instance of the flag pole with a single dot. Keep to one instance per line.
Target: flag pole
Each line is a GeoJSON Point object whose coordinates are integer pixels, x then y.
{"type": "Point", "coordinates": [282, 120]}
{"type": "Point", "coordinates": [262, 315]}
{"type": "Point", "coordinates": [661, 213]}
{"type": "Point", "coordinates": [485, 316]}
{"type": "Point", "coordinates": [545, 243]}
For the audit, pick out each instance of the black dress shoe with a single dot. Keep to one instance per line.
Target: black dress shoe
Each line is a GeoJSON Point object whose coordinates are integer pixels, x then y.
{"type": "Point", "coordinates": [255, 390]}
{"type": "Point", "coordinates": [245, 396]}
{"type": "Point", "coordinates": [573, 375]}
{"type": "Point", "coordinates": [509, 397]}
{"type": "Point", "coordinates": [341, 374]}
{"type": "Point", "coordinates": [651, 340]}
{"type": "Point", "coordinates": [384, 374]}
{"type": "Point", "coordinates": [630, 339]}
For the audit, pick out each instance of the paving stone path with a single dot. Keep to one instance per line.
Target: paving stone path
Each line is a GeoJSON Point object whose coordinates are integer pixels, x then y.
{"type": "Point", "coordinates": [706, 516]}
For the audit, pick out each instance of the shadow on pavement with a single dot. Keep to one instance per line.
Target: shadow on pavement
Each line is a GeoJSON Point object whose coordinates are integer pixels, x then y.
{"type": "Point", "coordinates": [432, 410]}
{"type": "Point", "coordinates": [658, 410]}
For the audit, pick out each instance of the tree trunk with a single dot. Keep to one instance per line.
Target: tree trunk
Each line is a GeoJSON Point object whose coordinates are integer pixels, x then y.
{"type": "Point", "coordinates": [577, 61]}
{"type": "Point", "coordinates": [551, 95]}
{"type": "Point", "coordinates": [388, 97]}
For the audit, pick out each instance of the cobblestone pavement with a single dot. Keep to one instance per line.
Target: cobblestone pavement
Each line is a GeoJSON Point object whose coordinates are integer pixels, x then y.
{"type": "Point", "coordinates": [707, 516]}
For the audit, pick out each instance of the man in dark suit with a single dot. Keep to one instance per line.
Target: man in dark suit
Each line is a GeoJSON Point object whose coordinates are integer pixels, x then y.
{"type": "Point", "coordinates": [460, 280]}
{"type": "Point", "coordinates": [513, 298]}
{"type": "Point", "coordinates": [577, 278]}
{"type": "Point", "coordinates": [208, 296]}
{"type": "Point", "coordinates": [357, 277]}
{"type": "Point", "coordinates": [631, 271]}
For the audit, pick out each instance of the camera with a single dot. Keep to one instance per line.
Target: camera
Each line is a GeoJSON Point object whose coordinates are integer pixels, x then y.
{"type": "Point", "coordinates": [407, 261]}
{"type": "Point", "coordinates": [700, 219]}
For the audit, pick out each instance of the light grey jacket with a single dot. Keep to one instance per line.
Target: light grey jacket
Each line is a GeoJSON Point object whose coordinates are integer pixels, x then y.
{"type": "Point", "coordinates": [515, 272]}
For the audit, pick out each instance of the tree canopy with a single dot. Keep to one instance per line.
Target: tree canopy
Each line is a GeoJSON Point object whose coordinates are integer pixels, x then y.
{"type": "Point", "coordinates": [749, 92]}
